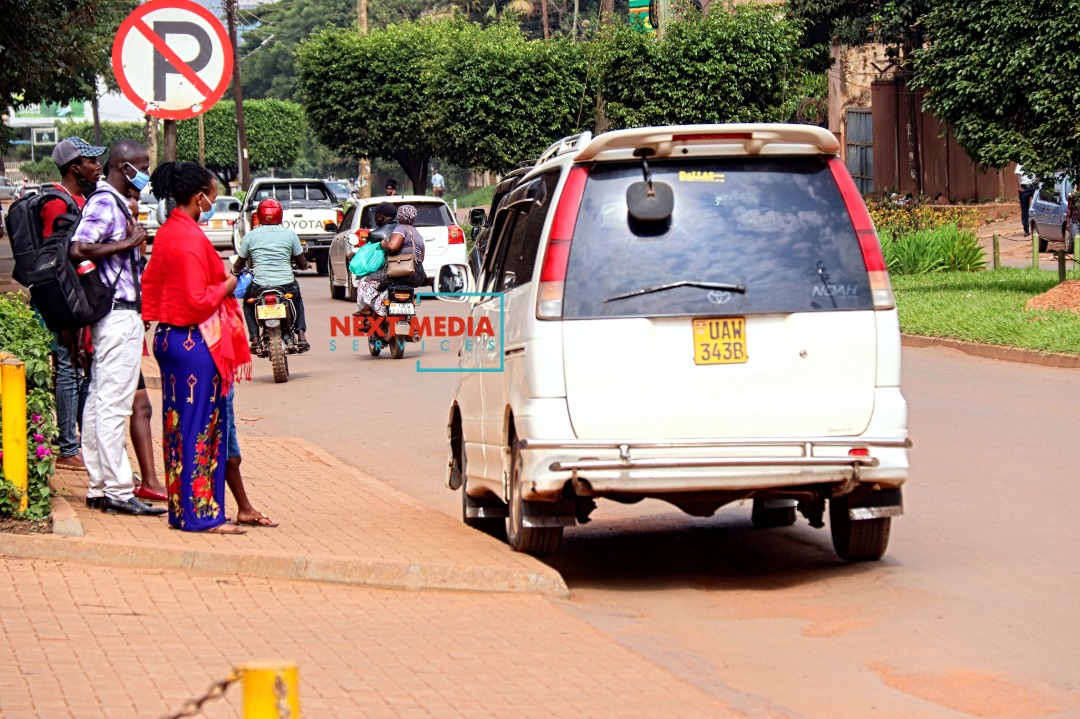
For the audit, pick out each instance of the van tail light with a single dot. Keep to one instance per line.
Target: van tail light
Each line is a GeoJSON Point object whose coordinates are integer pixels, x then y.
{"type": "Point", "coordinates": [360, 237]}
{"type": "Point", "coordinates": [880, 288]}
{"type": "Point", "coordinates": [255, 220]}
{"type": "Point", "coordinates": [456, 235]}
{"type": "Point", "coordinates": [549, 296]}
{"type": "Point", "coordinates": [859, 452]}
{"type": "Point", "coordinates": [340, 217]}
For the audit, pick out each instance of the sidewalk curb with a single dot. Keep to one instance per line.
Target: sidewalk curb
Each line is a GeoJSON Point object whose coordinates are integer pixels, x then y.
{"type": "Point", "coordinates": [361, 572]}
{"type": "Point", "coordinates": [65, 523]}
{"type": "Point", "coordinates": [996, 352]}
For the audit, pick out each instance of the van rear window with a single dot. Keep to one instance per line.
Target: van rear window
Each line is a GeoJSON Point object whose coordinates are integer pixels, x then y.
{"type": "Point", "coordinates": [775, 226]}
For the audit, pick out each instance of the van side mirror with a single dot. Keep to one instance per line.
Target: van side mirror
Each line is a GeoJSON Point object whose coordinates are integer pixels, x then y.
{"type": "Point", "coordinates": [477, 217]}
{"type": "Point", "coordinates": [454, 279]}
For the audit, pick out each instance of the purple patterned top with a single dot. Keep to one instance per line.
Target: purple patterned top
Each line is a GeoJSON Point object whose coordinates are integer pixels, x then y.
{"type": "Point", "coordinates": [103, 220]}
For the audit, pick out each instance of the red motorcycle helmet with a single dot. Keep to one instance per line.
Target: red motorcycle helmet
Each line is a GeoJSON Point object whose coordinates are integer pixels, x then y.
{"type": "Point", "coordinates": [269, 212]}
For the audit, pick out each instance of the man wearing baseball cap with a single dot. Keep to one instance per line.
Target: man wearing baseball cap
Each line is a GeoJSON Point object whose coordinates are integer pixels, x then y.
{"type": "Point", "coordinates": [80, 169]}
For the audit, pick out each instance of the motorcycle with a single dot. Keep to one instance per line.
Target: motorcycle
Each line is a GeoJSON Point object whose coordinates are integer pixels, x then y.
{"type": "Point", "coordinates": [394, 329]}
{"type": "Point", "coordinates": [275, 314]}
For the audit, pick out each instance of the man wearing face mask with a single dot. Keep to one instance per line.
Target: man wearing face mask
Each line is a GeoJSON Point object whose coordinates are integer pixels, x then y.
{"type": "Point", "coordinates": [80, 169]}
{"type": "Point", "coordinates": [107, 237]}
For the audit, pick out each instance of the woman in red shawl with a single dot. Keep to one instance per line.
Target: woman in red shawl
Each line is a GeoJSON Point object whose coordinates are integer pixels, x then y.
{"type": "Point", "coordinates": [200, 347]}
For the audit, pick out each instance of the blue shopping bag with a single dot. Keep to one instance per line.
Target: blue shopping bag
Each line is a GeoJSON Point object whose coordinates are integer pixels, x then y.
{"type": "Point", "coordinates": [368, 259]}
{"type": "Point", "coordinates": [242, 283]}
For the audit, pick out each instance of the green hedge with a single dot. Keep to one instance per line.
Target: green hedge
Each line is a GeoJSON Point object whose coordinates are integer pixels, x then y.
{"type": "Point", "coordinates": [22, 335]}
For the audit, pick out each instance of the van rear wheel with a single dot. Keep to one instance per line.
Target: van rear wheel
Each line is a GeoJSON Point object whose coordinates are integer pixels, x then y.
{"type": "Point", "coordinates": [862, 540]}
{"type": "Point", "coordinates": [537, 541]}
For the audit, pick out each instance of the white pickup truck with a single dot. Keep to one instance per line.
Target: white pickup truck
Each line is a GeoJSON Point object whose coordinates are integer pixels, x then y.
{"type": "Point", "coordinates": [310, 210]}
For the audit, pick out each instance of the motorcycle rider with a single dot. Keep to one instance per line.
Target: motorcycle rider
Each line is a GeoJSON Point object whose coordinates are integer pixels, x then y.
{"type": "Point", "coordinates": [272, 250]}
{"type": "Point", "coordinates": [385, 214]}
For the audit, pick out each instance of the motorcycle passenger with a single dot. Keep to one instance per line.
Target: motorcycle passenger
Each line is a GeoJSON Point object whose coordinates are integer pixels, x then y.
{"type": "Point", "coordinates": [272, 250]}
{"type": "Point", "coordinates": [371, 290]}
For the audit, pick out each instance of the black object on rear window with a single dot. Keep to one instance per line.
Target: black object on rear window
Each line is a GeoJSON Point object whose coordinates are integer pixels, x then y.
{"type": "Point", "coordinates": [777, 227]}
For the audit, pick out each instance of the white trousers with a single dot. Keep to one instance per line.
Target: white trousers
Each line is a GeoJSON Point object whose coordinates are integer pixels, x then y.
{"type": "Point", "coordinates": [117, 342]}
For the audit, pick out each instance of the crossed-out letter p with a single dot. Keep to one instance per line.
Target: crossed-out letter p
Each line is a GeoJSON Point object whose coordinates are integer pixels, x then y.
{"type": "Point", "coordinates": [162, 67]}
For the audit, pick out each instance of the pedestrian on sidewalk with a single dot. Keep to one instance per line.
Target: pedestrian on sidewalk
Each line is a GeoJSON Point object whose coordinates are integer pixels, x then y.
{"type": "Point", "coordinates": [80, 169]}
{"type": "Point", "coordinates": [200, 346]}
{"type": "Point", "coordinates": [107, 236]}
{"type": "Point", "coordinates": [1026, 184]}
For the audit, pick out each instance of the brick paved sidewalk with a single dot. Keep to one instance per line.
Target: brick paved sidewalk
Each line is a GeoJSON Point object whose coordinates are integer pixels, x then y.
{"type": "Point", "coordinates": [336, 524]}
{"type": "Point", "coordinates": [78, 640]}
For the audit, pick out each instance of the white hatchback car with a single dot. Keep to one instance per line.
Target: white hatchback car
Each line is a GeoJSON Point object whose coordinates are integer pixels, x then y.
{"type": "Point", "coordinates": [699, 314]}
{"type": "Point", "coordinates": [444, 240]}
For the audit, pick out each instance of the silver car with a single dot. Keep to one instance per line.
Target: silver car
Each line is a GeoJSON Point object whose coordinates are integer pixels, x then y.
{"type": "Point", "coordinates": [1049, 208]}
{"type": "Point", "coordinates": [7, 189]}
{"type": "Point", "coordinates": [220, 227]}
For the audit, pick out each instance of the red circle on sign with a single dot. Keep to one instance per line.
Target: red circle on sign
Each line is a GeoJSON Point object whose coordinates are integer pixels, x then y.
{"type": "Point", "coordinates": [125, 30]}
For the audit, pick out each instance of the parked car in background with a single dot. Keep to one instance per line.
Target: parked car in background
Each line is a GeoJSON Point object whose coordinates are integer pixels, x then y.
{"type": "Point", "coordinates": [28, 189]}
{"type": "Point", "coordinates": [699, 314]}
{"type": "Point", "coordinates": [340, 189]}
{"type": "Point", "coordinates": [444, 240]}
{"type": "Point", "coordinates": [1048, 213]}
{"type": "Point", "coordinates": [220, 227]}
{"type": "Point", "coordinates": [310, 210]}
{"type": "Point", "coordinates": [148, 212]}
{"type": "Point", "coordinates": [7, 189]}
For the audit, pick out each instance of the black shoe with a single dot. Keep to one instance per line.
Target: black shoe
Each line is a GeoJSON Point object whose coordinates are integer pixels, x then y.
{"type": "Point", "coordinates": [94, 502]}
{"type": "Point", "coordinates": [132, 506]}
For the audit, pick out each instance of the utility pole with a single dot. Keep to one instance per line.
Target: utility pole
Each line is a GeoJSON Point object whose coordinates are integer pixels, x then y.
{"type": "Point", "coordinates": [244, 168]}
{"type": "Point", "coordinates": [365, 164]}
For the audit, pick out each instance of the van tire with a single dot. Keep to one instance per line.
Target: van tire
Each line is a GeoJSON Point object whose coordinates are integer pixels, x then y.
{"type": "Point", "coordinates": [336, 293]}
{"type": "Point", "coordinates": [863, 540]}
{"type": "Point", "coordinates": [537, 541]}
{"type": "Point", "coordinates": [764, 517]}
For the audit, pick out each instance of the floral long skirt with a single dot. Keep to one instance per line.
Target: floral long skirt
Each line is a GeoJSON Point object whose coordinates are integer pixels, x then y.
{"type": "Point", "coordinates": [194, 428]}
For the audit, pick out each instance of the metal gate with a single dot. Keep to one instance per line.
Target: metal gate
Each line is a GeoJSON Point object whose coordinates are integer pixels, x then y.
{"type": "Point", "coordinates": [860, 148]}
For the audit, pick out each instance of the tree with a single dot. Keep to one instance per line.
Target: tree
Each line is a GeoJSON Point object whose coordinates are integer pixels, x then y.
{"type": "Point", "coordinates": [54, 50]}
{"type": "Point", "coordinates": [741, 65]}
{"type": "Point", "coordinates": [110, 131]}
{"type": "Point", "coordinates": [1003, 76]}
{"type": "Point", "coordinates": [275, 136]}
{"type": "Point", "coordinates": [503, 99]}
{"type": "Point", "coordinates": [371, 95]}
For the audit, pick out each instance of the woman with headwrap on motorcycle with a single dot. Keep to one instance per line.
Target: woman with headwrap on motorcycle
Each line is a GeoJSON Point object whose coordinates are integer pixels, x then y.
{"type": "Point", "coordinates": [404, 239]}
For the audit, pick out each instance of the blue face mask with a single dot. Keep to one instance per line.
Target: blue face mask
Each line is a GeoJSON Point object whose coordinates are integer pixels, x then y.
{"type": "Point", "coordinates": [140, 180]}
{"type": "Point", "coordinates": [205, 216]}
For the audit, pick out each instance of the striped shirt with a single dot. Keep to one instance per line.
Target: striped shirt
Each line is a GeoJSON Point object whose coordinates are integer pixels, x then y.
{"type": "Point", "coordinates": [104, 220]}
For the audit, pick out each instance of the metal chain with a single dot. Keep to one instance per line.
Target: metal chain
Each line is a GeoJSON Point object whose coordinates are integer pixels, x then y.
{"type": "Point", "coordinates": [217, 690]}
{"type": "Point", "coordinates": [281, 692]}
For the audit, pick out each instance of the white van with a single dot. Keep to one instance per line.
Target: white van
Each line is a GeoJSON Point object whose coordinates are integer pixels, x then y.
{"type": "Point", "coordinates": [699, 314]}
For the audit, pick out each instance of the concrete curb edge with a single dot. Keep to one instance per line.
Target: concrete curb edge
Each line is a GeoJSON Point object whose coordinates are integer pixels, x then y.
{"type": "Point", "coordinates": [996, 352]}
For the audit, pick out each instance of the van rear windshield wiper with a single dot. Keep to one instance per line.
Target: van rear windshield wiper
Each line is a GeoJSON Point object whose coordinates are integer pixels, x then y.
{"type": "Point", "coordinates": [730, 287]}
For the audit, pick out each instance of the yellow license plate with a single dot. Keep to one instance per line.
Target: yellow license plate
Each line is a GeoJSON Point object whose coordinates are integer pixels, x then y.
{"type": "Point", "coordinates": [270, 312]}
{"type": "Point", "coordinates": [720, 341]}
{"type": "Point", "coordinates": [143, 216]}
{"type": "Point", "coordinates": [217, 224]}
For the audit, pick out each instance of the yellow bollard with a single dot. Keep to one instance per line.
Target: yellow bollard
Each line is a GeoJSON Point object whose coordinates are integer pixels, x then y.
{"type": "Point", "coordinates": [13, 408]}
{"type": "Point", "coordinates": [271, 691]}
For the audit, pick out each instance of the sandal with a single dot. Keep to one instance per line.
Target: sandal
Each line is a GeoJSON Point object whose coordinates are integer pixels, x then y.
{"type": "Point", "coordinates": [261, 521]}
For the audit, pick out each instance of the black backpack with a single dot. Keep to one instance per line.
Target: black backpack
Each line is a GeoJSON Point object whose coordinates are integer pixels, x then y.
{"type": "Point", "coordinates": [64, 298]}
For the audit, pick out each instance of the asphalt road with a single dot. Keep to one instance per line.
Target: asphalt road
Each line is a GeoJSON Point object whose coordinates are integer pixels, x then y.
{"type": "Point", "coordinates": [972, 612]}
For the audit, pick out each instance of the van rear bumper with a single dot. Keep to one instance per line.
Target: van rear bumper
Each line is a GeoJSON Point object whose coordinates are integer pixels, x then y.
{"type": "Point", "coordinates": [600, 467]}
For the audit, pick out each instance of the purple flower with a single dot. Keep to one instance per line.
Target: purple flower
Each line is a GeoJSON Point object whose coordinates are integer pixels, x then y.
{"type": "Point", "coordinates": [39, 438]}
{"type": "Point", "coordinates": [36, 419]}
{"type": "Point", "coordinates": [43, 451]}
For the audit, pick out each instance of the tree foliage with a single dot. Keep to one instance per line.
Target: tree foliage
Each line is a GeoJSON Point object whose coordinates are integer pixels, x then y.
{"type": "Point", "coordinates": [275, 131]}
{"type": "Point", "coordinates": [372, 96]}
{"type": "Point", "coordinates": [502, 98]}
{"type": "Point", "coordinates": [894, 23]}
{"type": "Point", "coordinates": [110, 132]}
{"type": "Point", "coordinates": [54, 50]}
{"type": "Point", "coordinates": [1004, 76]}
{"type": "Point", "coordinates": [741, 64]}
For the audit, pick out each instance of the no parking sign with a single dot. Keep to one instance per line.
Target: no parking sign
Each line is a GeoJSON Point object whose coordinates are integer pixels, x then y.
{"type": "Point", "coordinates": [172, 59]}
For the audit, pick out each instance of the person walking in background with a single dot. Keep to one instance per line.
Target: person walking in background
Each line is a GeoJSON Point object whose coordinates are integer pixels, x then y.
{"type": "Point", "coordinates": [80, 170]}
{"type": "Point", "coordinates": [199, 345]}
{"type": "Point", "coordinates": [438, 184]}
{"type": "Point", "coordinates": [107, 237]}
{"type": "Point", "coordinates": [1026, 184]}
